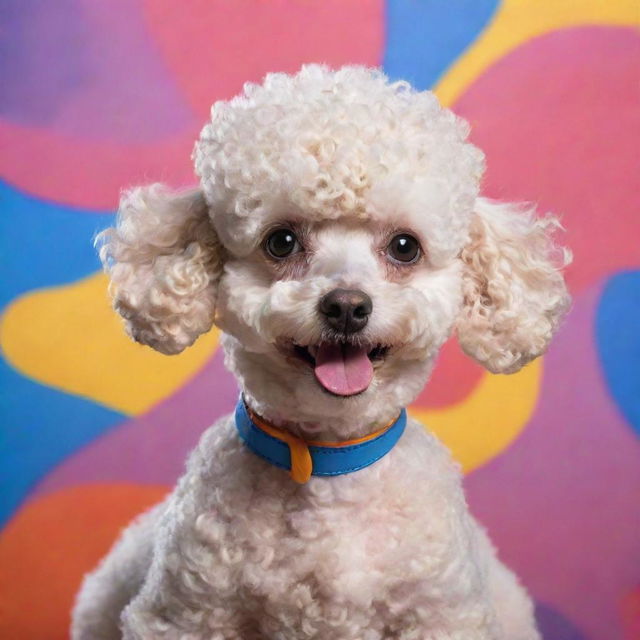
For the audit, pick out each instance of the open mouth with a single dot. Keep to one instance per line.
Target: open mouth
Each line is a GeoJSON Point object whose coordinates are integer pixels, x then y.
{"type": "Point", "coordinates": [342, 368]}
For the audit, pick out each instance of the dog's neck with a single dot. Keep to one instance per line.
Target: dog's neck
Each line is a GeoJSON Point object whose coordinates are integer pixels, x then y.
{"type": "Point", "coordinates": [293, 402]}
{"type": "Point", "coordinates": [333, 429]}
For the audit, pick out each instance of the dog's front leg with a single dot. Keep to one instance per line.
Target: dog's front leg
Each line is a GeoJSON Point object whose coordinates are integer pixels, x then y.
{"type": "Point", "coordinates": [115, 582]}
{"type": "Point", "coordinates": [176, 621]}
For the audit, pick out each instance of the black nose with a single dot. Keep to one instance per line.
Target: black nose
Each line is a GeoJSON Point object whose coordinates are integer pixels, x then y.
{"type": "Point", "coordinates": [346, 310]}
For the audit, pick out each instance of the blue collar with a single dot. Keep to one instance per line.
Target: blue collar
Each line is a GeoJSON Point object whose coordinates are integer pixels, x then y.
{"type": "Point", "coordinates": [304, 459]}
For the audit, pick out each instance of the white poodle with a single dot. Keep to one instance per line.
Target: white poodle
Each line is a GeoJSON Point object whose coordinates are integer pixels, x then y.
{"type": "Point", "coordinates": [337, 239]}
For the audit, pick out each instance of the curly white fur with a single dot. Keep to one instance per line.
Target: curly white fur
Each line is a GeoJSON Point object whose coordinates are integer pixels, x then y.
{"type": "Point", "coordinates": [334, 145]}
{"type": "Point", "coordinates": [515, 295]}
{"type": "Point", "coordinates": [164, 261]}
{"type": "Point", "coordinates": [347, 160]}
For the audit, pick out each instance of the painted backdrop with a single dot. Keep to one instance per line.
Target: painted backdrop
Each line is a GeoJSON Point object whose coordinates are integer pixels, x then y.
{"type": "Point", "coordinates": [100, 95]}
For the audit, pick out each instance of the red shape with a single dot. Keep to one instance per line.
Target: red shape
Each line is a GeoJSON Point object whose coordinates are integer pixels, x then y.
{"type": "Point", "coordinates": [213, 48]}
{"type": "Point", "coordinates": [221, 44]}
{"type": "Point", "coordinates": [48, 547]}
{"type": "Point", "coordinates": [559, 121]}
{"type": "Point", "coordinates": [89, 174]}
{"type": "Point", "coordinates": [630, 608]}
{"type": "Point", "coordinates": [454, 377]}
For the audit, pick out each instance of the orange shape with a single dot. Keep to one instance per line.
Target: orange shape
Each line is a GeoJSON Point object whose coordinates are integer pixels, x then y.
{"type": "Point", "coordinates": [48, 547]}
{"type": "Point", "coordinates": [630, 609]}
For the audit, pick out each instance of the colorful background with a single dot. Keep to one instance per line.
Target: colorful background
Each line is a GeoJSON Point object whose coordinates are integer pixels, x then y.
{"type": "Point", "coordinates": [100, 95]}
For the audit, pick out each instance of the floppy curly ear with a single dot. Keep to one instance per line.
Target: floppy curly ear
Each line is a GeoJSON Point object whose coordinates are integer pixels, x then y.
{"type": "Point", "coordinates": [164, 260]}
{"type": "Point", "coordinates": [514, 292]}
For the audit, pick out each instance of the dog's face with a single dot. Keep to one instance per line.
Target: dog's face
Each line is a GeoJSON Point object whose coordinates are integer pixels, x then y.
{"type": "Point", "coordinates": [337, 239]}
{"type": "Point", "coordinates": [330, 310]}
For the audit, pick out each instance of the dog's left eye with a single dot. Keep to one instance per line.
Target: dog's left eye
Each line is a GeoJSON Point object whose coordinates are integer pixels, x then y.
{"type": "Point", "coordinates": [403, 248]}
{"type": "Point", "coordinates": [282, 243]}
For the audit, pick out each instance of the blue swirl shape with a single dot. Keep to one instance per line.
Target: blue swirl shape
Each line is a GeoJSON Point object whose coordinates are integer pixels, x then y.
{"type": "Point", "coordinates": [42, 244]}
{"type": "Point", "coordinates": [618, 339]}
{"type": "Point", "coordinates": [424, 37]}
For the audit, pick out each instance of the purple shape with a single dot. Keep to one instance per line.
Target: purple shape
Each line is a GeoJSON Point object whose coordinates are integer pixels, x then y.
{"type": "Point", "coordinates": [87, 69]}
{"type": "Point", "coordinates": [554, 626]}
{"type": "Point", "coordinates": [561, 503]}
{"type": "Point", "coordinates": [152, 448]}
{"type": "Point", "coordinates": [41, 59]}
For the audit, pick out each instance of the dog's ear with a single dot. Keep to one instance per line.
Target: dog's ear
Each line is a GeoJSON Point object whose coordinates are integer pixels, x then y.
{"type": "Point", "coordinates": [164, 260]}
{"type": "Point", "coordinates": [514, 292]}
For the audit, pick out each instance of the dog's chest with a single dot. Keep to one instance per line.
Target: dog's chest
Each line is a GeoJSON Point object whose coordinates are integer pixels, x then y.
{"type": "Point", "coordinates": [344, 538]}
{"type": "Point", "coordinates": [331, 552]}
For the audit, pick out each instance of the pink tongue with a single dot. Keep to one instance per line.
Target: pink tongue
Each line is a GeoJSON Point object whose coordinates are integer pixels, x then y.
{"type": "Point", "coordinates": [343, 369]}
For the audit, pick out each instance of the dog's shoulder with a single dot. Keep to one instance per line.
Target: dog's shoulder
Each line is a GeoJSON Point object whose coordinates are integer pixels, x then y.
{"type": "Point", "coordinates": [424, 457]}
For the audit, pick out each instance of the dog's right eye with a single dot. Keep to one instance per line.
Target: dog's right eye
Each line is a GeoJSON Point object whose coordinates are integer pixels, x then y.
{"type": "Point", "coordinates": [282, 243]}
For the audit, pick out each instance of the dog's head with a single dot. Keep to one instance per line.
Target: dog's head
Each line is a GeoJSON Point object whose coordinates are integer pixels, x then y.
{"type": "Point", "coordinates": [337, 238]}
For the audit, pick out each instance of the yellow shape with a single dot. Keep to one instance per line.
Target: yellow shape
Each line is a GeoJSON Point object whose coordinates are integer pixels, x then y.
{"type": "Point", "coordinates": [486, 422]}
{"type": "Point", "coordinates": [70, 338]}
{"type": "Point", "coordinates": [518, 21]}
